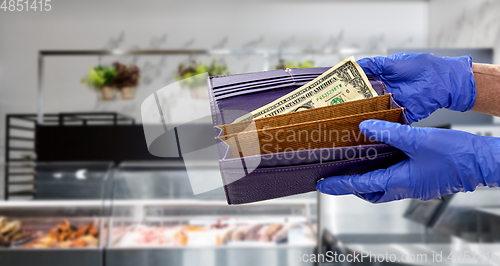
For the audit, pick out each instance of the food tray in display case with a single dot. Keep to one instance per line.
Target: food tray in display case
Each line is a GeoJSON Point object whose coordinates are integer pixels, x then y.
{"type": "Point", "coordinates": [155, 218]}
{"type": "Point", "coordinates": [61, 223]}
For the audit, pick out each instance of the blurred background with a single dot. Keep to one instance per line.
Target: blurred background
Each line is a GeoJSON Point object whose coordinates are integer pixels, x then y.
{"type": "Point", "coordinates": [73, 76]}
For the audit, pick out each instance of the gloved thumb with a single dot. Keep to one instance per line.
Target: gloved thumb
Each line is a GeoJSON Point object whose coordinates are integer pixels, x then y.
{"type": "Point", "coordinates": [403, 137]}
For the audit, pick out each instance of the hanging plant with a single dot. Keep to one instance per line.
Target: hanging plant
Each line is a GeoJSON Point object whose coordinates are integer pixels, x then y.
{"type": "Point", "coordinates": [126, 79]}
{"type": "Point", "coordinates": [101, 79]}
{"type": "Point", "coordinates": [186, 73]}
{"type": "Point", "coordinates": [100, 76]}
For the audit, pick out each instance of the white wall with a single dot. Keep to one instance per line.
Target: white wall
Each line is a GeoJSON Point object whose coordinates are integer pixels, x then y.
{"type": "Point", "coordinates": [465, 24]}
{"type": "Point", "coordinates": [111, 24]}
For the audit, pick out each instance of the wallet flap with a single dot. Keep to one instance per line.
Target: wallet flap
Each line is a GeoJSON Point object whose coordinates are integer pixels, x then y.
{"type": "Point", "coordinates": [233, 103]}
{"type": "Point", "coordinates": [304, 157]}
{"type": "Point", "coordinates": [264, 82]}
{"type": "Point", "coordinates": [263, 85]}
{"type": "Point", "coordinates": [277, 182]}
{"type": "Point", "coordinates": [221, 81]}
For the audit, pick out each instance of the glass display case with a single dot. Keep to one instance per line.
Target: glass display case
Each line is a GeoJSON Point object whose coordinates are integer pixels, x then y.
{"type": "Point", "coordinates": [155, 217]}
{"type": "Point", "coordinates": [145, 213]}
{"type": "Point", "coordinates": [58, 219]}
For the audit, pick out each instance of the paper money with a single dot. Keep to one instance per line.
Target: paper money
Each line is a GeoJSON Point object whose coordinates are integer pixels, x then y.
{"type": "Point", "coordinates": [342, 83]}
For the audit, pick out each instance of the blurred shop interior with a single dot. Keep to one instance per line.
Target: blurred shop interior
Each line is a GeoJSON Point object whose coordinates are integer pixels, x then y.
{"type": "Point", "coordinates": [79, 186]}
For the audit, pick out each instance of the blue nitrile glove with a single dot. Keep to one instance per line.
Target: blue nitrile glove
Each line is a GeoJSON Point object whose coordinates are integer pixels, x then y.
{"type": "Point", "coordinates": [423, 83]}
{"type": "Point", "coordinates": [441, 161]}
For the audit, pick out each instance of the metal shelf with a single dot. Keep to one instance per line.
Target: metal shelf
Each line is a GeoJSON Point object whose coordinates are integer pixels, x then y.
{"type": "Point", "coordinates": [172, 52]}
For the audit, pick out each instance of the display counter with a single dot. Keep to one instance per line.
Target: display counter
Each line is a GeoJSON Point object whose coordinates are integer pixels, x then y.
{"type": "Point", "coordinates": [52, 233]}
{"type": "Point", "coordinates": [146, 214]}
{"type": "Point", "coordinates": [465, 227]}
{"type": "Point", "coordinates": [158, 219]}
{"type": "Point", "coordinates": [62, 222]}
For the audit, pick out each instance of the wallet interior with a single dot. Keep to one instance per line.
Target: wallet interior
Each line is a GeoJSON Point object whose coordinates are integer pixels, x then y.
{"type": "Point", "coordinates": [313, 144]}
{"type": "Point", "coordinates": [329, 127]}
{"type": "Point", "coordinates": [326, 127]}
{"type": "Point", "coordinates": [379, 103]}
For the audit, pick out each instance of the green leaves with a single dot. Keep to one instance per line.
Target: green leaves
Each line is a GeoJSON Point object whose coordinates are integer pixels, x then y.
{"type": "Point", "coordinates": [186, 73]}
{"type": "Point", "coordinates": [118, 75]}
{"type": "Point", "coordinates": [100, 76]}
{"type": "Point", "coordinates": [216, 69]}
{"type": "Point", "coordinates": [284, 64]}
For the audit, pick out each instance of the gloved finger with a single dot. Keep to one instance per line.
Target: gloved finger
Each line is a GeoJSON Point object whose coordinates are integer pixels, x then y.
{"type": "Point", "coordinates": [371, 197]}
{"type": "Point", "coordinates": [372, 65]}
{"type": "Point", "coordinates": [395, 174]}
{"type": "Point", "coordinates": [353, 184]}
{"type": "Point", "coordinates": [403, 137]}
{"type": "Point", "coordinates": [388, 66]}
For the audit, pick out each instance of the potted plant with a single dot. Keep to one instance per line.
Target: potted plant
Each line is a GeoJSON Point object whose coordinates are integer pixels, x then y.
{"type": "Point", "coordinates": [187, 75]}
{"type": "Point", "coordinates": [284, 64]}
{"type": "Point", "coordinates": [101, 78]}
{"type": "Point", "coordinates": [126, 79]}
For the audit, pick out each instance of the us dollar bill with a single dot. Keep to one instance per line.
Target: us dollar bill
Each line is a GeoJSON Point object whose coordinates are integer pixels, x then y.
{"type": "Point", "coordinates": [342, 83]}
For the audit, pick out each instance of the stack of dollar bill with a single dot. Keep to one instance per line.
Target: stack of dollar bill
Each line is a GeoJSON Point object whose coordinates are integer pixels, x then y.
{"type": "Point", "coordinates": [342, 83]}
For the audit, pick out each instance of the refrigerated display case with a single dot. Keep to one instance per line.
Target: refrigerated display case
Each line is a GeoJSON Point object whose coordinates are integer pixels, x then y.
{"type": "Point", "coordinates": [145, 213]}
{"type": "Point", "coordinates": [155, 218]}
{"type": "Point", "coordinates": [62, 223]}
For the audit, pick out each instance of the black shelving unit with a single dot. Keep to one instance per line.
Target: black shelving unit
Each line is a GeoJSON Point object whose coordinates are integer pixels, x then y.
{"type": "Point", "coordinates": [21, 132]}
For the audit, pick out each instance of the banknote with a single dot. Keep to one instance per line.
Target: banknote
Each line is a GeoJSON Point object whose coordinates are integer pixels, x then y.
{"type": "Point", "coordinates": [342, 83]}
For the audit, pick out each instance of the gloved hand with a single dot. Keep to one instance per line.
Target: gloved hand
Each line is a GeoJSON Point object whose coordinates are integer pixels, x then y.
{"type": "Point", "coordinates": [423, 83]}
{"type": "Point", "coordinates": [440, 162]}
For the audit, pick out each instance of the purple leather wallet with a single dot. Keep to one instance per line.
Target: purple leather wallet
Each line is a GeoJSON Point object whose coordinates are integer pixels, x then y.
{"type": "Point", "coordinates": [268, 176]}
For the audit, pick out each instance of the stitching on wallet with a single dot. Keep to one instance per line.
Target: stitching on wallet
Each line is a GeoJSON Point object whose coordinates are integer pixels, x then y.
{"type": "Point", "coordinates": [309, 167]}
{"type": "Point", "coordinates": [212, 100]}
{"type": "Point", "coordinates": [214, 115]}
{"type": "Point", "coordinates": [227, 145]}
{"type": "Point", "coordinates": [236, 160]}
{"type": "Point", "coordinates": [225, 188]}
